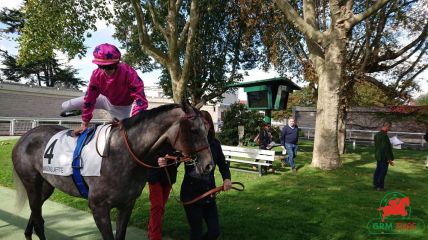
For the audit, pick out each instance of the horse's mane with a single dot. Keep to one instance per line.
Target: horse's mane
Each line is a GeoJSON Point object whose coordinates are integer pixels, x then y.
{"type": "Point", "coordinates": [148, 114]}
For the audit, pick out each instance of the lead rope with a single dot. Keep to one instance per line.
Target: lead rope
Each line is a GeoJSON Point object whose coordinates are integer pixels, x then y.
{"type": "Point", "coordinates": [213, 192]}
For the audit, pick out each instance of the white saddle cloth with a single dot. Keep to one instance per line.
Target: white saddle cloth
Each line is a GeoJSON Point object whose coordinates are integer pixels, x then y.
{"type": "Point", "coordinates": [58, 154]}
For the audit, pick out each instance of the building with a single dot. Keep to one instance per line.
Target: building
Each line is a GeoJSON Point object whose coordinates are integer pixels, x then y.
{"type": "Point", "coordinates": [25, 101]}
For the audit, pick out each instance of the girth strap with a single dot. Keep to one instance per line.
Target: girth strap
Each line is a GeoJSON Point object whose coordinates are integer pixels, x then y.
{"type": "Point", "coordinates": [78, 180]}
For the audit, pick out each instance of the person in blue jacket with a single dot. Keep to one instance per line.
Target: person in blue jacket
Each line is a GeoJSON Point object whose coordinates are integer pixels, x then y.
{"type": "Point", "coordinates": [289, 140]}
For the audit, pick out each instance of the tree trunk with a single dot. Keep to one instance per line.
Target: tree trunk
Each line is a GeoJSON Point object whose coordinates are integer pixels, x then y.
{"type": "Point", "coordinates": [176, 83]}
{"type": "Point", "coordinates": [326, 152]}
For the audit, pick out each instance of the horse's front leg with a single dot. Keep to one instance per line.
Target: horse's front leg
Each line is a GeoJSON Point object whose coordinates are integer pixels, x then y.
{"type": "Point", "coordinates": [102, 219]}
{"type": "Point", "coordinates": [122, 220]}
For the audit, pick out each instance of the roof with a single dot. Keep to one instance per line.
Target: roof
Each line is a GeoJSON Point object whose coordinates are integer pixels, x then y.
{"type": "Point", "coordinates": [270, 81]}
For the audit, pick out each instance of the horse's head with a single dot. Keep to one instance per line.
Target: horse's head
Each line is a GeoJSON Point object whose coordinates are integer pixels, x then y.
{"type": "Point", "coordinates": [190, 138]}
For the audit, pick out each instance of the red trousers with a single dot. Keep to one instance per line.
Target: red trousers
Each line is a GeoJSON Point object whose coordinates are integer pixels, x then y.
{"type": "Point", "coordinates": [158, 196]}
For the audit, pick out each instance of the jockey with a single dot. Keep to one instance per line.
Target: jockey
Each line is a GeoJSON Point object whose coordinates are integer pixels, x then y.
{"type": "Point", "coordinates": [114, 86]}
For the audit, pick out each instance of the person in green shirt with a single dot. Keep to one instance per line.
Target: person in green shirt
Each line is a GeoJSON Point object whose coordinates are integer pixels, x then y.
{"type": "Point", "coordinates": [383, 155]}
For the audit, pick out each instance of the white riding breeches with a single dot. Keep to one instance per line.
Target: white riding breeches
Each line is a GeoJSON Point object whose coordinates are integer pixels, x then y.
{"type": "Point", "coordinates": [119, 112]}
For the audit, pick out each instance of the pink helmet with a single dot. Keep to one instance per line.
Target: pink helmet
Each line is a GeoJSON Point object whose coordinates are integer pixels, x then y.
{"type": "Point", "coordinates": [106, 54]}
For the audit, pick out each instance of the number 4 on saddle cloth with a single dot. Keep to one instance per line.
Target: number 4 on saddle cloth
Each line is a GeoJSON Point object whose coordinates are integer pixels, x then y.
{"type": "Point", "coordinates": [65, 155]}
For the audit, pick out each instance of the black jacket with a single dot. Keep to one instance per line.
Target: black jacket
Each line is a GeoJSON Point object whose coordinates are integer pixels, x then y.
{"type": "Point", "coordinates": [265, 138]}
{"type": "Point", "coordinates": [158, 175]}
{"type": "Point", "coordinates": [194, 185]}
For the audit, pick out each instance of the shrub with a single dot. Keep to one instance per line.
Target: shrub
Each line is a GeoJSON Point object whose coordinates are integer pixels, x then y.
{"type": "Point", "coordinates": [238, 115]}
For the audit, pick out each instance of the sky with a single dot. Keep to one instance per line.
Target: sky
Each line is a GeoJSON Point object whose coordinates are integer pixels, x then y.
{"type": "Point", "coordinates": [104, 34]}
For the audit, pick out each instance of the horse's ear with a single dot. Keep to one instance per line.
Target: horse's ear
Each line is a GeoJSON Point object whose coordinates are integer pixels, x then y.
{"type": "Point", "coordinates": [201, 103]}
{"type": "Point", "coordinates": [185, 106]}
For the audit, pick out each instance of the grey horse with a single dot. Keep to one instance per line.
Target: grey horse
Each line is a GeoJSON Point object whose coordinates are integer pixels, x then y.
{"type": "Point", "coordinates": [122, 179]}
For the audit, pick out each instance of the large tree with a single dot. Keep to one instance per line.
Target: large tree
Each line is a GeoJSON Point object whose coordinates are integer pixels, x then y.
{"type": "Point", "coordinates": [327, 54]}
{"type": "Point", "coordinates": [316, 41]}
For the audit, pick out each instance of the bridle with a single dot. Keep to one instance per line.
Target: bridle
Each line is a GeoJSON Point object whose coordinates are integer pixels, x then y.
{"type": "Point", "coordinates": [186, 158]}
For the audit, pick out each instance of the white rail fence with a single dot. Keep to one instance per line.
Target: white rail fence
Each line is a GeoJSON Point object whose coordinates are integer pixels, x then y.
{"type": "Point", "coordinates": [19, 126]}
{"type": "Point", "coordinates": [367, 136]}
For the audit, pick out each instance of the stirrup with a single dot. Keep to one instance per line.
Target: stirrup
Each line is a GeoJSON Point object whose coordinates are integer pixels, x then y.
{"type": "Point", "coordinates": [71, 113]}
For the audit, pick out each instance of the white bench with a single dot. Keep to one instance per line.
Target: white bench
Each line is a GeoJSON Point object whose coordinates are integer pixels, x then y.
{"type": "Point", "coordinates": [248, 156]}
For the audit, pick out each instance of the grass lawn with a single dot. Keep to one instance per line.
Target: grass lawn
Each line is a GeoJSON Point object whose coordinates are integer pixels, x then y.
{"type": "Point", "coordinates": [311, 204]}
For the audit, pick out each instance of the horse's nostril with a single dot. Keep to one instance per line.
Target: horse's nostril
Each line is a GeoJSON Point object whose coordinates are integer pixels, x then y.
{"type": "Point", "coordinates": [208, 168]}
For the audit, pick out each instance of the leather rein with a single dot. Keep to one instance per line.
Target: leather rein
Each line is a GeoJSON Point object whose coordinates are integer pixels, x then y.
{"type": "Point", "coordinates": [214, 192]}
{"type": "Point", "coordinates": [176, 159]}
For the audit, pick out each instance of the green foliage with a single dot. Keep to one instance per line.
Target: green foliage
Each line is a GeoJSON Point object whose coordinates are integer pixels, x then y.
{"type": "Point", "coordinates": [11, 70]}
{"type": "Point", "coordinates": [57, 25]}
{"type": "Point", "coordinates": [48, 72]}
{"type": "Point", "coordinates": [13, 20]}
{"type": "Point", "coordinates": [6, 162]}
{"type": "Point", "coordinates": [236, 116]}
{"type": "Point", "coordinates": [367, 95]}
{"type": "Point", "coordinates": [422, 99]}
{"type": "Point", "coordinates": [276, 133]}
{"type": "Point", "coordinates": [311, 201]}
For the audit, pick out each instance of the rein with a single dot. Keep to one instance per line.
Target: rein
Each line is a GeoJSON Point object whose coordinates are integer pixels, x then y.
{"type": "Point", "coordinates": [215, 191]}
{"type": "Point", "coordinates": [109, 126]}
{"type": "Point", "coordinates": [176, 159]}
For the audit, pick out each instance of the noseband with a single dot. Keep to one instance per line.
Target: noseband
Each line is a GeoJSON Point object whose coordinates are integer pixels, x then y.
{"type": "Point", "coordinates": [191, 159]}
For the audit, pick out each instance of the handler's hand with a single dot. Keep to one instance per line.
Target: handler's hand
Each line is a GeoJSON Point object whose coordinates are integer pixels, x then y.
{"type": "Point", "coordinates": [78, 131]}
{"type": "Point", "coordinates": [227, 184]}
{"type": "Point", "coordinates": [391, 162]}
{"type": "Point", "coordinates": [162, 162]}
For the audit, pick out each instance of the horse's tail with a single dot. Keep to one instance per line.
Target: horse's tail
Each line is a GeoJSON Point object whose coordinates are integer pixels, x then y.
{"type": "Point", "coordinates": [21, 193]}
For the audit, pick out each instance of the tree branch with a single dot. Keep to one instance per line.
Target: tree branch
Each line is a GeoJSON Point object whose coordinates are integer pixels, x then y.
{"type": "Point", "coordinates": [309, 31]}
{"type": "Point", "coordinates": [294, 51]}
{"type": "Point", "coordinates": [379, 30]}
{"type": "Point", "coordinates": [193, 22]}
{"type": "Point", "coordinates": [415, 62]}
{"type": "Point", "coordinates": [389, 91]}
{"type": "Point", "coordinates": [139, 15]}
{"type": "Point", "coordinates": [183, 34]}
{"type": "Point", "coordinates": [144, 37]}
{"type": "Point", "coordinates": [349, 4]}
{"type": "Point", "coordinates": [178, 4]}
{"type": "Point", "coordinates": [155, 20]}
{"type": "Point", "coordinates": [370, 11]}
{"type": "Point", "coordinates": [420, 39]}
